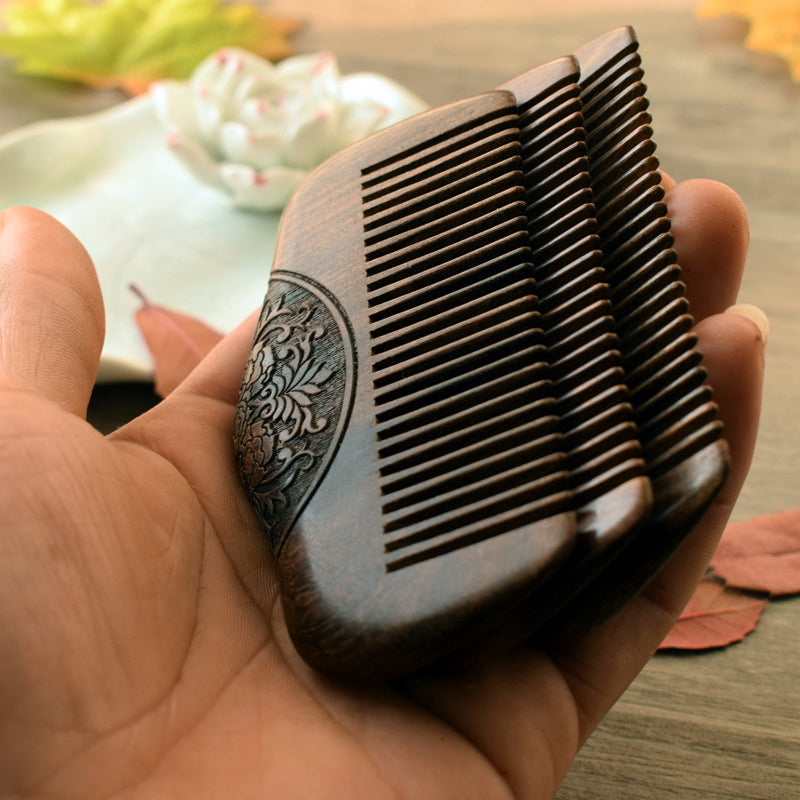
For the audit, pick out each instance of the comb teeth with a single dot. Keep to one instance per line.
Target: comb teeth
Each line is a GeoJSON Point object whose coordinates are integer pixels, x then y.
{"type": "Point", "coordinates": [676, 419]}
{"type": "Point", "coordinates": [649, 307]}
{"type": "Point", "coordinates": [573, 296]}
{"type": "Point", "coordinates": [460, 460]}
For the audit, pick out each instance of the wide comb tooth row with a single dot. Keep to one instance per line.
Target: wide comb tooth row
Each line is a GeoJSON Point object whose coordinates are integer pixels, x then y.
{"type": "Point", "coordinates": [468, 436]}
{"type": "Point", "coordinates": [672, 405]}
{"type": "Point", "coordinates": [593, 405]}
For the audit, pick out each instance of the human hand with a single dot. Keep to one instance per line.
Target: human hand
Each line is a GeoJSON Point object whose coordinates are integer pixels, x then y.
{"type": "Point", "coordinates": [143, 648]}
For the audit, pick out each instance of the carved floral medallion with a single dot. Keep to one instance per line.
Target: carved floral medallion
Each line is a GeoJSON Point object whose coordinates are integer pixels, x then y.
{"type": "Point", "coordinates": [295, 400]}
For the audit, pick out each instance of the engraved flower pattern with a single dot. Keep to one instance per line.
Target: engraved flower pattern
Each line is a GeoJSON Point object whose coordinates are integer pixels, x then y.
{"type": "Point", "coordinates": [277, 412]}
{"type": "Point", "coordinates": [254, 129]}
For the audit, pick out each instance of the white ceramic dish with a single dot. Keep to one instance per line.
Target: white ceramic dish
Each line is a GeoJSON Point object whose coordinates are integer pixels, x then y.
{"type": "Point", "coordinates": [144, 219]}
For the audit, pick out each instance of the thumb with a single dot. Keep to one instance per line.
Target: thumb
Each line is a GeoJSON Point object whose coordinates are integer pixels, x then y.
{"type": "Point", "coordinates": [51, 310]}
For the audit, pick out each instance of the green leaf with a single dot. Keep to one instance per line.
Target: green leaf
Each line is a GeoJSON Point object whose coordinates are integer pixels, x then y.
{"type": "Point", "coordinates": [131, 42]}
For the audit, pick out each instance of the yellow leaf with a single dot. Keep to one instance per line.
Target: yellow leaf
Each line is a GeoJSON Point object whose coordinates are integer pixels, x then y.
{"type": "Point", "coordinates": [131, 43]}
{"type": "Point", "coordinates": [774, 25]}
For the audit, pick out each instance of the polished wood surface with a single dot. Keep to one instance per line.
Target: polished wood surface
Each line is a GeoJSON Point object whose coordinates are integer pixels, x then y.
{"type": "Point", "coordinates": [713, 725]}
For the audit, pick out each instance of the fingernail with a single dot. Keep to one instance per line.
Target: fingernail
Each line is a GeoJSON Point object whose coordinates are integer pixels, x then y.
{"type": "Point", "coordinates": [755, 315]}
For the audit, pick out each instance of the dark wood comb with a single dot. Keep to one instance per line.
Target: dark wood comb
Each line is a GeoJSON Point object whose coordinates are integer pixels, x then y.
{"type": "Point", "coordinates": [438, 457]}
{"type": "Point", "coordinates": [396, 428]}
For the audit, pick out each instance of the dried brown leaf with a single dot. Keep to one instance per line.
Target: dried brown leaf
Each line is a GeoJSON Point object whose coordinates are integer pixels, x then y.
{"type": "Point", "coordinates": [762, 554]}
{"type": "Point", "coordinates": [176, 341]}
{"type": "Point", "coordinates": [715, 616]}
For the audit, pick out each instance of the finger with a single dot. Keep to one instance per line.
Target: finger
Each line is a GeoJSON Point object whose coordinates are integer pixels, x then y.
{"type": "Point", "coordinates": [667, 181]}
{"type": "Point", "coordinates": [219, 374]}
{"type": "Point", "coordinates": [192, 428]}
{"type": "Point", "coordinates": [601, 665]}
{"type": "Point", "coordinates": [193, 424]}
{"type": "Point", "coordinates": [517, 711]}
{"type": "Point", "coordinates": [51, 309]}
{"type": "Point", "coordinates": [709, 223]}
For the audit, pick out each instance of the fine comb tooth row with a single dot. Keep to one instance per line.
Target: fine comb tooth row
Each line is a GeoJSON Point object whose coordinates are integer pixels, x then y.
{"type": "Point", "coordinates": [468, 437]}
{"type": "Point", "coordinates": [673, 409]}
{"type": "Point", "coordinates": [582, 348]}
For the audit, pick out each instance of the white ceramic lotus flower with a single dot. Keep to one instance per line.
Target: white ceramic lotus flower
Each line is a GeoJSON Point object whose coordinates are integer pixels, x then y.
{"type": "Point", "coordinates": [255, 129]}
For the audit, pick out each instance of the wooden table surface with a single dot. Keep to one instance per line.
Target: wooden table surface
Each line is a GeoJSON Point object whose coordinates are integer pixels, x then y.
{"type": "Point", "coordinates": [723, 724]}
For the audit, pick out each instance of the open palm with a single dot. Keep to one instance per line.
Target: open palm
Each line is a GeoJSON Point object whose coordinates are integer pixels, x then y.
{"type": "Point", "coordinates": [143, 650]}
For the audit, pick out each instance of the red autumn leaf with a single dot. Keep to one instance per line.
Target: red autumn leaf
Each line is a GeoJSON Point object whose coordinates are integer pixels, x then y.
{"type": "Point", "coordinates": [176, 341]}
{"type": "Point", "coordinates": [715, 616]}
{"type": "Point", "coordinates": [762, 554]}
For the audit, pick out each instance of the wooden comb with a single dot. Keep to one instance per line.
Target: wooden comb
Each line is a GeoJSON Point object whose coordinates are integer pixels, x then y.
{"type": "Point", "coordinates": [679, 428]}
{"type": "Point", "coordinates": [396, 428]}
{"type": "Point", "coordinates": [437, 456]}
